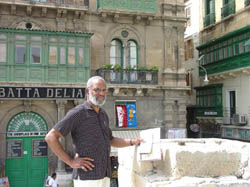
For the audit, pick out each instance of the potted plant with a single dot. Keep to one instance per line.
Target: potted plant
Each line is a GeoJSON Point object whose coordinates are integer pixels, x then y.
{"type": "Point", "coordinates": [107, 66]}
{"type": "Point", "coordinates": [118, 67]}
{"type": "Point", "coordinates": [154, 68]}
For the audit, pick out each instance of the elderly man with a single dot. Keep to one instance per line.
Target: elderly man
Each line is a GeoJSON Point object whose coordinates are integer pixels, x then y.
{"type": "Point", "coordinates": [88, 124]}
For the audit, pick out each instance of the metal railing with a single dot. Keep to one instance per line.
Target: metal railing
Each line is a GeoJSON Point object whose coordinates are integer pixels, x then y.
{"type": "Point", "coordinates": [60, 2]}
{"type": "Point", "coordinates": [228, 9]}
{"type": "Point", "coordinates": [129, 76]}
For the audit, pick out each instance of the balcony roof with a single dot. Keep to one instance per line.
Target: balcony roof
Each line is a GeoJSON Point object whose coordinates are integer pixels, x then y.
{"type": "Point", "coordinates": [4, 29]}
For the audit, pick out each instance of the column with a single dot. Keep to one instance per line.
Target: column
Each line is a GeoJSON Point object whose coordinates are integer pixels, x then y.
{"type": "Point", "coordinates": [60, 113]}
{"type": "Point", "coordinates": [168, 115]}
{"type": "Point", "coordinates": [182, 114]}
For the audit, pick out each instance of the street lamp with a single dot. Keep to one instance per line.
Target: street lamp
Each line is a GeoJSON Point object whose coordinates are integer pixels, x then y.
{"type": "Point", "coordinates": [204, 69]}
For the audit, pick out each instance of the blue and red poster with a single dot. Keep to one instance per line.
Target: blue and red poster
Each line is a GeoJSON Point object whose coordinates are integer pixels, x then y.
{"type": "Point", "coordinates": [126, 114]}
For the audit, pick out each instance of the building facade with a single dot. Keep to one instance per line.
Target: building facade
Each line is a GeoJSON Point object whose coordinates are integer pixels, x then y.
{"type": "Point", "coordinates": [223, 104]}
{"type": "Point", "coordinates": [191, 39]}
{"type": "Point", "coordinates": [49, 49]}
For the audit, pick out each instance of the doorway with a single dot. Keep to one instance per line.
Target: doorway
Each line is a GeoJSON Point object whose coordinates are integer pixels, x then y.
{"type": "Point", "coordinates": [26, 163]}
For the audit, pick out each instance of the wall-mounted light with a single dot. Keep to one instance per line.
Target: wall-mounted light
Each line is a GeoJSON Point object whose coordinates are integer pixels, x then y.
{"type": "Point", "coordinates": [204, 69]}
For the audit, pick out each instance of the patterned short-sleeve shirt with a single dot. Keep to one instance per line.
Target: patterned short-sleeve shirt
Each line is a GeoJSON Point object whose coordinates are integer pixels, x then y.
{"type": "Point", "coordinates": [91, 137]}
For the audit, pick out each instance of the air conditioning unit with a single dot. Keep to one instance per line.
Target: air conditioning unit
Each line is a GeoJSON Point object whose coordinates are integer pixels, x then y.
{"type": "Point", "coordinates": [239, 119]}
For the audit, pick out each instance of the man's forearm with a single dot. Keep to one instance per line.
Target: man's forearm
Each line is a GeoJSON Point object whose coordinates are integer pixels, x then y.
{"type": "Point", "coordinates": [119, 142]}
{"type": "Point", "coordinates": [52, 139]}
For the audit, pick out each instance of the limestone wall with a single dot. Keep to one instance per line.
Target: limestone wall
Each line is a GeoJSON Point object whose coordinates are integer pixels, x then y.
{"type": "Point", "coordinates": [188, 163]}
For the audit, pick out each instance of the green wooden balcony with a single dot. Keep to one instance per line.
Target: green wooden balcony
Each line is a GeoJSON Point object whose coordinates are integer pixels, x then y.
{"type": "Point", "coordinates": [128, 76]}
{"type": "Point", "coordinates": [232, 63]}
{"type": "Point", "coordinates": [43, 73]}
{"type": "Point", "coordinates": [228, 9]}
{"type": "Point", "coordinates": [129, 5]}
{"type": "Point", "coordinates": [209, 19]}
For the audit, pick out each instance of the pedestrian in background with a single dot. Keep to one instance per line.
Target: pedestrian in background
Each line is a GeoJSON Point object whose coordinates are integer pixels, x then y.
{"type": "Point", "coordinates": [53, 181]}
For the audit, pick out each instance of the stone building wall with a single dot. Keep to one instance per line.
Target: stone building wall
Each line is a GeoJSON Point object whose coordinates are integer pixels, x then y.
{"type": "Point", "coordinates": [160, 39]}
{"type": "Point", "coordinates": [187, 162]}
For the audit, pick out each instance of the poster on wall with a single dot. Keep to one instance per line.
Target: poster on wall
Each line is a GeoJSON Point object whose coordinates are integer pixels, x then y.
{"type": "Point", "coordinates": [4, 182]}
{"type": "Point", "coordinates": [125, 112]}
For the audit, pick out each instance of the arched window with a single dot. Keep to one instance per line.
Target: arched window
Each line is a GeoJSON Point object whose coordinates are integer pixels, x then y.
{"type": "Point", "coordinates": [126, 57]}
{"type": "Point", "coordinates": [132, 57]}
{"type": "Point", "coordinates": [116, 52]}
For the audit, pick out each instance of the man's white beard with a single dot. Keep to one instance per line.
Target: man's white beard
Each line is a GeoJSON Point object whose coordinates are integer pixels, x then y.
{"type": "Point", "coordinates": [95, 102]}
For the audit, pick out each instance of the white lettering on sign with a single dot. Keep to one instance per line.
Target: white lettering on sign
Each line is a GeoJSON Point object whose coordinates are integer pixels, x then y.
{"type": "Point", "coordinates": [41, 92]}
{"type": "Point", "coordinates": [210, 113]}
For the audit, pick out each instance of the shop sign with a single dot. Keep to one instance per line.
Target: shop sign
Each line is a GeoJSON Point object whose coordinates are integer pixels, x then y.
{"type": "Point", "coordinates": [14, 148]}
{"type": "Point", "coordinates": [41, 92]}
{"type": "Point", "coordinates": [210, 113]}
{"type": "Point", "coordinates": [40, 148]}
{"type": "Point", "coordinates": [22, 134]}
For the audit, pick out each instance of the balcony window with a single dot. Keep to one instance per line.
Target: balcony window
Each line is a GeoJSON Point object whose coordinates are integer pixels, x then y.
{"type": "Point", "coordinates": [62, 55]}
{"type": "Point", "coordinates": [228, 8]}
{"type": "Point", "coordinates": [80, 55]}
{"type": "Point", "coordinates": [209, 18]}
{"type": "Point", "coordinates": [52, 55]}
{"type": "Point", "coordinates": [132, 54]}
{"type": "Point", "coordinates": [116, 52]}
{"type": "Point", "coordinates": [2, 52]}
{"type": "Point", "coordinates": [71, 55]}
{"type": "Point", "coordinates": [35, 54]}
{"type": "Point", "coordinates": [20, 54]}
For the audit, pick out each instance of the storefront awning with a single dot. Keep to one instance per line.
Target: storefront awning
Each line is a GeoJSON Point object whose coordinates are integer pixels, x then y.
{"type": "Point", "coordinates": [124, 134]}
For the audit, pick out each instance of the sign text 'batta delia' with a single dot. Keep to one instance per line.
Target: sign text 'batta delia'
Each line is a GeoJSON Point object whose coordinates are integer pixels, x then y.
{"type": "Point", "coordinates": [42, 92]}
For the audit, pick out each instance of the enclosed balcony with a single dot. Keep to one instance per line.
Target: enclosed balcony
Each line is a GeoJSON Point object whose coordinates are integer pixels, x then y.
{"type": "Point", "coordinates": [129, 76]}
{"type": "Point", "coordinates": [131, 5]}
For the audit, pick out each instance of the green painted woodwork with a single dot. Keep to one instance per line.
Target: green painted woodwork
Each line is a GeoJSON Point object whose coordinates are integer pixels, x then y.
{"type": "Point", "coordinates": [27, 171]}
{"type": "Point", "coordinates": [229, 64]}
{"type": "Point", "coordinates": [228, 8]}
{"type": "Point", "coordinates": [247, 3]}
{"type": "Point", "coordinates": [229, 52]}
{"type": "Point", "coordinates": [27, 121]}
{"type": "Point", "coordinates": [209, 18]}
{"type": "Point", "coordinates": [209, 100]}
{"type": "Point", "coordinates": [26, 56]}
{"type": "Point", "coordinates": [129, 5]}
